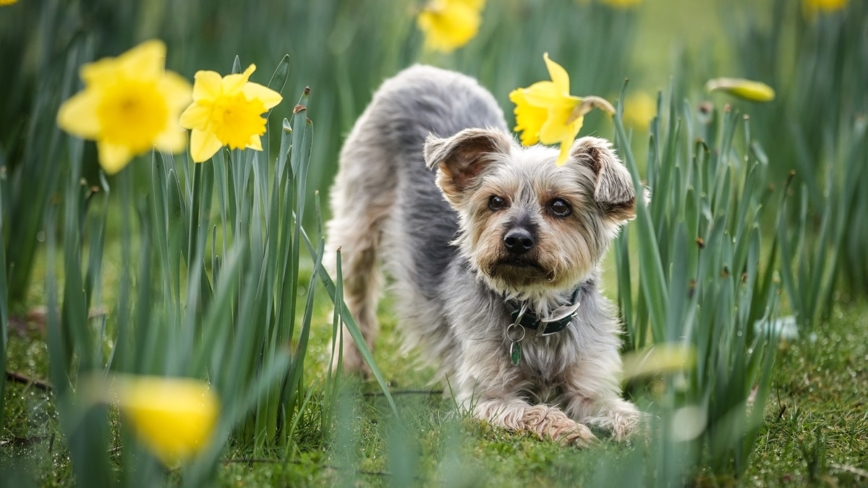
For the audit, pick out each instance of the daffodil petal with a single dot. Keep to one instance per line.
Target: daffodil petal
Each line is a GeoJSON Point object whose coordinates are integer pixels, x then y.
{"type": "Point", "coordinates": [266, 95]}
{"type": "Point", "coordinates": [172, 140]}
{"type": "Point", "coordinates": [99, 72]}
{"type": "Point", "coordinates": [207, 85]}
{"type": "Point", "coordinates": [196, 116]}
{"type": "Point", "coordinates": [176, 89]}
{"type": "Point", "coordinates": [474, 4]}
{"type": "Point", "coordinates": [129, 105]}
{"type": "Point", "coordinates": [232, 84]}
{"type": "Point", "coordinates": [556, 128]}
{"type": "Point", "coordinates": [567, 143]}
{"type": "Point", "coordinates": [203, 145]}
{"type": "Point", "coordinates": [78, 115]}
{"type": "Point", "coordinates": [113, 157]}
{"type": "Point", "coordinates": [563, 155]}
{"type": "Point", "coordinates": [543, 94]}
{"type": "Point", "coordinates": [145, 61]}
{"type": "Point", "coordinates": [174, 417]}
{"type": "Point", "coordinates": [449, 24]}
{"type": "Point", "coordinates": [558, 74]}
{"type": "Point", "coordinates": [659, 358]}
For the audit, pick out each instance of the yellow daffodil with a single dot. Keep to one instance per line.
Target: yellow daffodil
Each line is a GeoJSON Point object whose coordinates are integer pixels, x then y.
{"type": "Point", "coordinates": [129, 105]}
{"type": "Point", "coordinates": [659, 359]}
{"type": "Point", "coordinates": [7, 2]}
{"type": "Point", "coordinates": [546, 112]}
{"type": "Point", "coordinates": [623, 4]}
{"type": "Point", "coordinates": [449, 24]}
{"type": "Point", "coordinates": [226, 111]}
{"type": "Point", "coordinates": [174, 417]}
{"type": "Point", "coordinates": [639, 109]}
{"type": "Point", "coordinates": [753, 91]}
{"type": "Point", "coordinates": [811, 7]}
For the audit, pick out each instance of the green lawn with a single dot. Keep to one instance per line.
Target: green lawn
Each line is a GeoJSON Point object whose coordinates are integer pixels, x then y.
{"type": "Point", "coordinates": [815, 429]}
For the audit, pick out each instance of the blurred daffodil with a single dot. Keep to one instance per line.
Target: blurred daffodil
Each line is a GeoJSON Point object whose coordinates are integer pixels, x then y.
{"type": "Point", "coordinates": [812, 7]}
{"type": "Point", "coordinates": [174, 417]}
{"type": "Point", "coordinates": [623, 4]}
{"type": "Point", "coordinates": [450, 24]}
{"type": "Point", "coordinates": [129, 105]}
{"type": "Point", "coordinates": [639, 109]}
{"type": "Point", "coordinates": [7, 2]}
{"type": "Point", "coordinates": [753, 91]}
{"type": "Point", "coordinates": [546, 112]}
{"type": "Point", "coordinates": [659, 359]}
{"type": "Point", "coordinates": [226, 111]}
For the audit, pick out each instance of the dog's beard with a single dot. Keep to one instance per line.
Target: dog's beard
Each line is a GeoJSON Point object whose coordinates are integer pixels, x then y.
{"type": "Point", "coordinates": [516, 272]}
{"type": "Point", "coordinates": [535, 275]}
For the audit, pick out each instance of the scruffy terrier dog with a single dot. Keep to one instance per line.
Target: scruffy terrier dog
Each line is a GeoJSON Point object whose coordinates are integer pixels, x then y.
{"type": "Point", "coordinates": [494, 251]}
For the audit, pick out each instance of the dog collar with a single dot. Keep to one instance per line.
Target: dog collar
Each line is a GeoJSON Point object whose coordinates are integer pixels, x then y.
{"type": "Point", "coordinates": [530, 320]}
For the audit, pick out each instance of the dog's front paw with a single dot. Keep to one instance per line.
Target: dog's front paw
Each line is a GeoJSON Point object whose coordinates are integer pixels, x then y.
{"type": "Point", "coordinates": [624, 420]}
{"type": "Point", "coordinates": [551, 423]}
{"type": "Point", "coordinates": [580, 437]}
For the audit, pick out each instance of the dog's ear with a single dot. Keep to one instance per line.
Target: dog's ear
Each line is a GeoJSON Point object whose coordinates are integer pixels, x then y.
{"type": "Point", "coordinates": [613, 185]}
{"type": "Point", "coordinates": [460, 159]}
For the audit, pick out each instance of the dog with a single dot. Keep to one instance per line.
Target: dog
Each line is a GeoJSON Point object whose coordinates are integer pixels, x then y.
{"type": "Point", "coordinates": [494, 252]}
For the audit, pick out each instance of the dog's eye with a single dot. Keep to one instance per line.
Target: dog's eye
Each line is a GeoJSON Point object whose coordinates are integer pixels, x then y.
{"type": "Point", "coordinates": [559, 208]}
{"type": "Point", "coordinates": [496, 203]}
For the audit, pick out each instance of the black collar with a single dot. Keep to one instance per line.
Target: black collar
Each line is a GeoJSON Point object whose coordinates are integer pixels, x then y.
{"type": "Point", "coordinates": [530, 320]}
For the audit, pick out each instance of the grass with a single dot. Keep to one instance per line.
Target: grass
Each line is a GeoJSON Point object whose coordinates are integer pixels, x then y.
{"type": "Point", "coordinates": [817, 393]}
{"type": "Point", "coordinates": [817, 418]}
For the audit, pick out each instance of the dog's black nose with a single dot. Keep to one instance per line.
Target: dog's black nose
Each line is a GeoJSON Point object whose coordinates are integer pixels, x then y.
{"type": "Point", "coordinates": [518, 240]}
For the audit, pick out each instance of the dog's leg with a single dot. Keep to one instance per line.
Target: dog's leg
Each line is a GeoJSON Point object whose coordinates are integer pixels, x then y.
{"type": "Point", "coordinates": [592, 397]}
{"type": "Point", "coordinates": [362, 200]}
{"type": "Point", "coordinates": [361, 289]}
{"type": "Point", "coordinates": [546, 422]}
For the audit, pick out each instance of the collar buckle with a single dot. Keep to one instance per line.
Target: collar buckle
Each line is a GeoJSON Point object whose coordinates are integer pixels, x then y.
{"type": "Point", "coordinates": [559, 319]}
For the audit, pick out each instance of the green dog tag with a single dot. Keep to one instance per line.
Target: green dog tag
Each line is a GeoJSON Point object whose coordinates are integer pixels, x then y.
{"type": "Point", "coordinates": [516, 353]}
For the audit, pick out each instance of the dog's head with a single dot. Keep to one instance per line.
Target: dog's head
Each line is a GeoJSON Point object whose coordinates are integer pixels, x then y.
{"type": "Point", "coordinates": [528, 226]}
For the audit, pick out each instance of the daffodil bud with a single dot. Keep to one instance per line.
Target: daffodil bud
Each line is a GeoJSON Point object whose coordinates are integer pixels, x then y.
{"type": "Point", "coordinates": [753, 91]}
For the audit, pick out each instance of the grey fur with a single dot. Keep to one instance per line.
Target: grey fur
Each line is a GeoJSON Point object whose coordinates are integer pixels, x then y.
{"type": "Point", "coordinates": [443, 247]}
